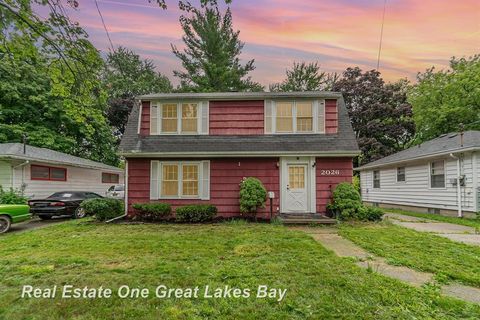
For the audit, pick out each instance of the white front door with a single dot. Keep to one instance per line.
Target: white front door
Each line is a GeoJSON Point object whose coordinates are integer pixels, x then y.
{"type": "Point", "coordinates": [296, 189]}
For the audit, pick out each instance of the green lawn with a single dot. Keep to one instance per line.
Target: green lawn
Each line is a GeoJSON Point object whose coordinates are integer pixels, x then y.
{"type": "Point", "coordinates": [320, 285]}
{"type": "Point", "coordinates": [471, 222]}
{"type": "Point", "coordinates": [419, 250]}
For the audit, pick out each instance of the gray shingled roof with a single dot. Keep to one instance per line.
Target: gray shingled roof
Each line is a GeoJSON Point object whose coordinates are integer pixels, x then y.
{"type": "Point", "coordinates": [343, 142]}
{"type": "Point", "coordinates": [15, 151]}
{"type": "Point", "coordinates": [445, 144]}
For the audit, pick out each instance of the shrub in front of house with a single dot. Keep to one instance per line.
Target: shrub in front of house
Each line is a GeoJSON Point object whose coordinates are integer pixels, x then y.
{"type": "Point", "coordinates": [12, 196]}
{"type": "Point", "coordinates": [152, 211]}
{"type": "Point", "coordinates": [252, 196]}
{"type": "Point", "coordinates": [196, 213]}
{"type": "Point", "coordinates": [347, 205]}
{"type": "Point", "coordinates": [103, 208]}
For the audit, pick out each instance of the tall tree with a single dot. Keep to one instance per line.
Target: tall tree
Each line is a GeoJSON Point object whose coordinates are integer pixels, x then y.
{"type": "Point", "coordinates": [443, 100]}
{"type": "Point", "coordinates": [380, 114]}
{"type": "Point", "coordinates": [305, 77]}
{"type": "Point", "coordinates": [211, 57]}
{"type": "Point", "coordinates": [57, 99]}
{"type": "Point", "coordinates": [126, 75]}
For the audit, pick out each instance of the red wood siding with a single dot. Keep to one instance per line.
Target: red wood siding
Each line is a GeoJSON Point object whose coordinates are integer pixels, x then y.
{"type": "Point", "coordinates": [145, 120]}
{"type": "Point", "coordinates": [326, 183]}
{"type": "Point", "coordinates": [236, 117]}
{"type": "Point", "coordinates": [331, 116]}
{"type": "Point", "coordinates": [225, 177]}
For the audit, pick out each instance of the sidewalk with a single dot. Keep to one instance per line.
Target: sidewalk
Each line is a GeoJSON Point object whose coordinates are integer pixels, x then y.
{"type": "Point", "coordinates": [342, 247]}
{"type": "Point", "coordinates": [454, 232]}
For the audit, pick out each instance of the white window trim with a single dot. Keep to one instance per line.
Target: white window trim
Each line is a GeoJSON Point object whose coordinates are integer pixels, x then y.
{"type": "Point", "coordinates": [315, 107]}
{"type": "Point", "coordinates": [444, 175]}
{"type": "Point", "coordinates": [404, 173]}
{"type": "Point", "coordinates": [201, 179]}
{"type": "Point", "coordinates": [200, 105]}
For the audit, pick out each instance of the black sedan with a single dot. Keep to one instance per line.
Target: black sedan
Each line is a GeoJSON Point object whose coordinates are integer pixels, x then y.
{"type": "Point", "coordinates": [65, 203]}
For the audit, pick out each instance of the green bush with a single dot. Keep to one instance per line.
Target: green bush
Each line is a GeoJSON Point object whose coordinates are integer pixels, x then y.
{"type": "Point", "coordinates": [103, 208]}
{"type": "Point", "coordinates": [12, 196]}
{"type": "Point", "coordinates": [252, 196]}
{"type": "Point", "coordinates": [152, 211]}
{"type": "Point", "coordinates": [196, 213]}
{"type": "Point", "coordinates": [347, 205]}
{"type": "Point", "coordinates": [356, 183]}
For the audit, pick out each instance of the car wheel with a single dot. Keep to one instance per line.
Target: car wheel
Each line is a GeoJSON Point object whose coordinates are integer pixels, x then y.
{"type": "Point", "coordinates": [5, 224]}
{"type": "Point", "coordinates": [79, 213]}
{"type": "Point", "coordinates": [45, 217]}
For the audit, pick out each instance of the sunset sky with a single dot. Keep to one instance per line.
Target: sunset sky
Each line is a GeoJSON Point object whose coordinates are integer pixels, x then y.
{"type": "Point", "coordinates": [338, 33]}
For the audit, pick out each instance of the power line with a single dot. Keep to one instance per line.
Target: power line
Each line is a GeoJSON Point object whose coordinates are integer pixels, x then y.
{"type": "Point", "coordinates": [381, 34]}
{"type": "Point", "coordinates": [104, 26]}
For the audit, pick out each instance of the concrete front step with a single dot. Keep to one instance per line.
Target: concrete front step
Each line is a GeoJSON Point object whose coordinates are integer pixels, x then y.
{"type": "Point", "coordinates": [305, 219]}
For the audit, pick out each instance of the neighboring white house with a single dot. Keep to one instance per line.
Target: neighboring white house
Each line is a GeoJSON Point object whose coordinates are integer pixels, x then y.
{"type": "Point", "coordinates": [438, 176]}
{"type": "Point", "coordinates": [42, 172]}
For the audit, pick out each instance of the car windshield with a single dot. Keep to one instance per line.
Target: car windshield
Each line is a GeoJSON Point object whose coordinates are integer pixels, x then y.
{"type": "Point", "coordinates": [62, 195]}
{"type": "Point", "coordinates": [119, 188]}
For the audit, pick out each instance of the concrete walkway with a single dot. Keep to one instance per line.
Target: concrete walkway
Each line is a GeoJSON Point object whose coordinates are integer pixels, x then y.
{"type": "Point", "coordinates": [454, 232]}
{"type": "Point", "coordinates": [342, 247]}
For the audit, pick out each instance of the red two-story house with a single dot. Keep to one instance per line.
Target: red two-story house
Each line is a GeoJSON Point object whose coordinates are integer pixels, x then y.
{"type": "Point", "coordinates": [191, 148]}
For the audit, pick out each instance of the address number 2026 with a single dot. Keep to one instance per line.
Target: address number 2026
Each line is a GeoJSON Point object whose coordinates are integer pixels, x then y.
{"type": "Point", "coordinates": [329, 172]}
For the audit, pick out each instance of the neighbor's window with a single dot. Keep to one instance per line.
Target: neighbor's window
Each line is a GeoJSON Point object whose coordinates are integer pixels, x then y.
{"type": "Point", "coordinates": [189, 117]}
{"type": "Point", "coordinates": [180, 180]}
{"type": "Point", "coordinates": [376, 179]}
{"type": "Point", "coordinates": [304, 116]}
{"type": "Point", "coordinates": [169, 117]}
{"type": "Point", "coordinates": [47, 173]}
{"type": "Point", "coordinates": [437, 174]}
{"type": "Point", "coordinates": [284, 121]}
{"type": "Point", "coordinates": [401, 174]}
{"type": "Point", "coordinates": [110, 177]}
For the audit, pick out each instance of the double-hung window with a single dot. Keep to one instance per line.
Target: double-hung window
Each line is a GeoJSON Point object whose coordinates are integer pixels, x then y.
{"type": "Point", "coordinates": [179, 118]}
{"type": "Point", "coordinates": [400, 174]}
{"type": "Point", "coordinates": [179, 179]}
{"type": "Point", "coordinates": [38, 172]}
{"type": "Point", "coordinates": [302, 116]}
{"type": "Point", "coordinates": [437, 174]}
{"type": "Point", "coordinates": [376, 179]}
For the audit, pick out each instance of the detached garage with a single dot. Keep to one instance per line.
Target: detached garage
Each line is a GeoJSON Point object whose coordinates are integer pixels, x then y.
{"type": "Point", "coordinates": [438, 176]}
{"type": "Point", "coordinates": [42, 172]}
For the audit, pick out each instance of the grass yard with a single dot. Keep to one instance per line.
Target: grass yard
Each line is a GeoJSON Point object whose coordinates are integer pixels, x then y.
{"type": "Point", "coordinates": [419, 250]}
{"type": "Point", "coordinates": [470, 222]}
{"type": "Point", "coordinates": [320, 285]}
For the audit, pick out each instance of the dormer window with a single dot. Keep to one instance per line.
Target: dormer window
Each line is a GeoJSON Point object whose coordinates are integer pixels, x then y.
{"type": "Point", "coordinates": [179, 118]}
{"type": "Point", "coordinates": [302, 116]}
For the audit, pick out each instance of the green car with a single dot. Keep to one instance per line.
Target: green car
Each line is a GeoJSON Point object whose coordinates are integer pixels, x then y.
{"type": "Point", "coordinates": [13, 213]}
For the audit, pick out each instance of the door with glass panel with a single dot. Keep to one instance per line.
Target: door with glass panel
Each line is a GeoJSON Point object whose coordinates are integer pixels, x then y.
{"type": "Point", "coordinates": [296, 188]}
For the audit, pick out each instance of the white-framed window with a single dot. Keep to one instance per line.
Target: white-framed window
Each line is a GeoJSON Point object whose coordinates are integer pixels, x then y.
{"type": "Point", "coordinates": [401, 174]}
{"type": "Point", "coordinates": [294, 116]}
{"type": "Point", "coordinates": [376, 179]}
{"type": "Point", "coordinates": [437, 174]}
{"type": "Point", "coordinates": [180, 180]}
{"type": "Point", "coordinates": [184, 117]}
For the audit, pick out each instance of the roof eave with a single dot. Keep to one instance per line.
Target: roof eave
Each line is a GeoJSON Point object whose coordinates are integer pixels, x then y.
{"type": "Point", "coordinates": [222, 154]}
{"type": "Point", "coordinates": [431, 155]}
{"type": "Point", "coordinates": [17, 157]}
{"type": "Point", "coordinates": [239, 95]}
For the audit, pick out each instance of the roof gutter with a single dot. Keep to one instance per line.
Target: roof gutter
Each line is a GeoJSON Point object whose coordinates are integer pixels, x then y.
{"type": "Point", "coordinates": [431, 155]}
{"type": "Point", "coordinates": [250, 154]}
{"type": "Point", "coordinates": [26, 158]}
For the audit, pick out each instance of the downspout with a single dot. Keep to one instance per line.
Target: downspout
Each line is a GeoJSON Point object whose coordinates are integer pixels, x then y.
{"type": "Point", "coordinates": [459, 188]}
{"type": "Point", "coordinates": [125, 181]}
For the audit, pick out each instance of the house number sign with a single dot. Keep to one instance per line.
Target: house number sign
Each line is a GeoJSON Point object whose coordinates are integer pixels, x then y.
{"type": "Point", "coordinates": [329, 172]}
